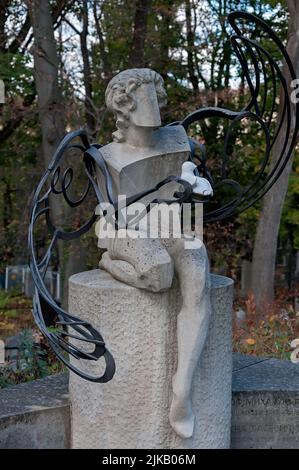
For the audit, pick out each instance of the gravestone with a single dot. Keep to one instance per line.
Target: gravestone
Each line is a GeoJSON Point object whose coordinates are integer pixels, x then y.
{"type": "Point", "coordinates": [51, 279]}
{"type": "Point", "coordinates": [246, 267]}
{"type": "Point", "coordinates": [12, 344]}
{"type": "Point", "coordinates": [2, 352]}
{"type": "Point", "coordinates": [265, 404]}
{"type": "Point", "coordinates": [2, 92]}
{"type": "Point", "coordinates": [14, 276]}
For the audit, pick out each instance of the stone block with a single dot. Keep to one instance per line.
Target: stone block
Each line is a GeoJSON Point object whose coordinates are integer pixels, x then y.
{"type": "Point", "coordinates": [265, 404]}
{"type": "Point", "coordinates": [139, 328]}
{"type": "Point", "coordinates": [35, 415]}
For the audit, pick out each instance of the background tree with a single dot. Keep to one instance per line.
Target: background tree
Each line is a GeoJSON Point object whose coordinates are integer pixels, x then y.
{"type": "Point", "coordinates": [136, 58]}
{"type": "Point", "coordinates": [265, 244]}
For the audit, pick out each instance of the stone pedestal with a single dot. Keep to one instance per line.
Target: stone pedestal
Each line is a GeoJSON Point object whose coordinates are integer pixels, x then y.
{"type": "Point", "coordinates": [139, 328]}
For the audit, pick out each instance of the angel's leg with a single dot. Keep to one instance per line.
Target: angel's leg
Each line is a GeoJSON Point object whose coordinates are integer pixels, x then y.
{"type": "Point", "coordinates": [192, 268]}
{"type": "Point", "coordinates": [142, 263]}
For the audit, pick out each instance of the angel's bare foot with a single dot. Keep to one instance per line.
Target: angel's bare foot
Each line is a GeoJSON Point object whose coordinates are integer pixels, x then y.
{"type": "Point", "coordinates": [181, 416]}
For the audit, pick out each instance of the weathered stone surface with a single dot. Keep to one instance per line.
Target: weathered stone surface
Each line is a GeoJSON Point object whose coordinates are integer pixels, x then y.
{"type": "Point", "coordinates": [265, 404]}
{"type": "Point", "coordinates": [267, 375]}
{"type": "Point", "coordinates": [139, 327]}
{"type": "Point", "coordinates": [35, 415]}
{"type": "Point", "coordinates": [242, 361]}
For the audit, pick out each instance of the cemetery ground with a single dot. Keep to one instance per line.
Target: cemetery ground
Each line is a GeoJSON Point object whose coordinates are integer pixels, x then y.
{"type": "Point", "coordinates": [266, 335]}
{"type": "Point", "coordinates": [270, 332]}
{"type": "Point", "coordinates": [28, 357]}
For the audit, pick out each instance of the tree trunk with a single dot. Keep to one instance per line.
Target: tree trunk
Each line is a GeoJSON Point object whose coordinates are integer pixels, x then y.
{"type": "Point", "coordinates": [265, 245]}
{"type": "Point", "coordinates": [104, 56]}
{"type": "Point", "coordinates": [89, 112]}
{"type": "Point", "coordinates": [7, 204]}
{"type": "Point", "coordinates": [3, 17]}
{"type": "Point", "coordinates": [58, 9]}
{"type": "Point", "coordinates": [50, 106]}
{"type": "Point", "coordinates": [190, 47]}
{"type": "Point", "coordinates": [163, 60]}
{"type": "Point", "coordinates": [140, 29]}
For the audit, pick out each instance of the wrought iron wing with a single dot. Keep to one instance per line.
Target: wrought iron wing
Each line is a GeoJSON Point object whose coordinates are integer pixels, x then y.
{"type": "Point", "coordinates": [56, 183]}
{"type": "Point", "coordinates": [268, 79]}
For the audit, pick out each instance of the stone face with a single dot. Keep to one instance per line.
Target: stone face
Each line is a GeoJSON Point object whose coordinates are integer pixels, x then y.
{"type": "Point", "coordinates": [135, 96]}
{"type": "Point", "coordinates": [139, 328]}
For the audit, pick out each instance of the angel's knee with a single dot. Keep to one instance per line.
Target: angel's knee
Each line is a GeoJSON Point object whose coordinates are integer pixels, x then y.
{"type": "Point", "coordinates": [153, 266]}
{"type": "Point", "coordinates": [158, 274]}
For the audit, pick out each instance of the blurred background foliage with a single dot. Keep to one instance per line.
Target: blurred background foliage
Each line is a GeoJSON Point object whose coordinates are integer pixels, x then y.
{"type": "Point", "coordinates": [187, 42]}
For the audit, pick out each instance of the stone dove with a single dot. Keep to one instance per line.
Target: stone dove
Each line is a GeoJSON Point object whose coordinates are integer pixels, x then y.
{"type": "Point", "coordinates": [200, 185]}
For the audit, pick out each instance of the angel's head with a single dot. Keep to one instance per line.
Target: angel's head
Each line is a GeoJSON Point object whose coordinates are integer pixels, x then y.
{"type": "Point", "coordinates": [135, 96]}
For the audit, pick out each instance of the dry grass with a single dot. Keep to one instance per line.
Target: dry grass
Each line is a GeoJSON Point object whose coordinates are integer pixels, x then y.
{"type": "Point", "coordinates": [271, 332]}
{"type": "Point", "coordinates": [15, 314]}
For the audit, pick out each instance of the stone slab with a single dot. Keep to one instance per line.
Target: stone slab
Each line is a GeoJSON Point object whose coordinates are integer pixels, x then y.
{"type": "Point", "coordinates": [265, 404]}
{"type": "Point", "coordinates": [37, 414]}
{"type": "Point", "coordinates": [50, 392]}
{"type": "Point", "coordinates": [241, 361]}
{"type": "Point", "coordinates": [267, 375]}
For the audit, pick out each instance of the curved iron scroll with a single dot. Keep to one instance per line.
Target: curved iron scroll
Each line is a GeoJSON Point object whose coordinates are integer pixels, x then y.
{"type": "Point", "coordinates": [57, 183]}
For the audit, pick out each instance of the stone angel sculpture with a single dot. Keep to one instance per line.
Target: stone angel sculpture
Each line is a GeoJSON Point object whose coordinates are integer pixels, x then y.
{"type": "Point", "coordinates": [153, 163]}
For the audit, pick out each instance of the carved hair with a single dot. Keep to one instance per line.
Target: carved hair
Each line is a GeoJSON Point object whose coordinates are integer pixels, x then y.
{"type": "Point", "coordinates": [120, 100]}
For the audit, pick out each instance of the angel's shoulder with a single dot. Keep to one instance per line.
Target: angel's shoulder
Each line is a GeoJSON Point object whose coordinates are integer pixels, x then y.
{"type": "Point", "coordinates": [172, 139]}
{"type": "Point", "coordinates": [168, 140]}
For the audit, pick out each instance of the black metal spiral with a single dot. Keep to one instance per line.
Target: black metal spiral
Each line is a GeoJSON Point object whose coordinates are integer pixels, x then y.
{"type": "Point", "coordinates": [59, 184]}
